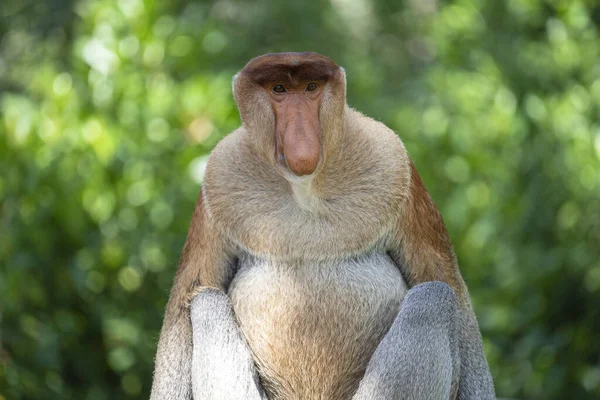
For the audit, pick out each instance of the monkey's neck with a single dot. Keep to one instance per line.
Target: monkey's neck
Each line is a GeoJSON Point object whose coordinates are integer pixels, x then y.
{"type": "Point", "coordinates": [305, 195]}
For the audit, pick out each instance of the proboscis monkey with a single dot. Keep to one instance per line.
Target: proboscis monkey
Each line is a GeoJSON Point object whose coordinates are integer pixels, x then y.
{"type": "Point", "coordinates": [311, 227]}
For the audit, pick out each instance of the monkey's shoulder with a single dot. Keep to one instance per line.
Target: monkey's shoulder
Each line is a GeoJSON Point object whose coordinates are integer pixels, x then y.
{"type": "Point", "coordinates": [366, 130]}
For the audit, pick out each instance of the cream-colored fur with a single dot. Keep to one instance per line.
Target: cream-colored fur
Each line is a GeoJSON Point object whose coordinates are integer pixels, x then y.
{"type": "Point", "coordinates": [313, 326]}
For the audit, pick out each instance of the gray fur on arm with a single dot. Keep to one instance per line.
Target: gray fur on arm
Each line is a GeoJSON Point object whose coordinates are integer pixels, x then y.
{"type": "Point", "coordinates": [475, 378]}
{"type": "Point", "coordinates": [418, 358]}
{"type": "Point", "coordinates": [172, 374]}
{"type": "Point", "coordinates": [222, 365]}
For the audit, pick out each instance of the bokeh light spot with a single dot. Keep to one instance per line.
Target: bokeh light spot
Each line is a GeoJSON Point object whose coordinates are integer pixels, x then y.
{"type": "Point", "coordinates": [128, 219]}
{"type": "Point", "coordinates": [131, 384]}
{"type": "Point", "coordinates": [153, 256]}
{"type": "Point", "coordinates": [131, 8]}
{"type": "Point", "coordinates": [568, 215]}
{"type": "Point", "coordinates": [31, 326]}
{"type": "Point", "coordinates": [158, 130]}
{"type": "Point", "coordinates": [92, 130]}
{"type": "Point", "coordinates": [161, 215]}
{"type": "Point", "coordinates": [121, 358]}
{"type": "Point", "coordinates": [129, 46]}
{"type": "Point", "coordinates": [457, 169]}
{"type": "Point", "coordinates": [122, 330]}
{"type": "Point", "coordinates": [534, 107]}
{"type": "Point", "coordinates": [130, 278]}
{"type": "Point", "coordinates": [591, 379]}
{"type": "Point", "coordinates": [435, 121]}
{"type": "Point", "coordinates": [139, 193]}
{"type": "Point", "coordinates": [592, 279]}
{"type": "Point", "coordinates": [54, 381]}
{"type": "Point", "coordinates": [95, 281]}
{"type": "Point", "coordinates": [181, 46]}
{"type": "Point", "coordinates": [505, 101]}
{"type": "Point", "coordinates": [200, 129]}
{"type": "Point", "coordinates": [478, 194]}
{"type": "Point", "coordinates": [99, 57]}
{"type": "Point", "coordinates": [154, 54]}
{"type": "Point", "coordinates": [214, 42]}
{"type": "Point", "coordinates": [197, 168]}
{"type": "Point", "coordinates": [85, 260]}
{"type": "Point", "coordinates": [100, 206]}
{"type": "Point", "coordinates": [164, 26]}
{"type": "Point", "coordinates": [62, 84]}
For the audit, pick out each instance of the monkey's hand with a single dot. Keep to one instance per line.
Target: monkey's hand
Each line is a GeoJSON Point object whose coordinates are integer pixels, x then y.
{"type": "Point", "coordinates": [419, 356]}
{"type": "Point", "coordinates": [222, 366]}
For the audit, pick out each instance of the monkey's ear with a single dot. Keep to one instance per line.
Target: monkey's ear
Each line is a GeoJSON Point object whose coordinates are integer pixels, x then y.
{"type": "Point", "coordinates": [234, 85]}
{"type": "Point", "coordinates": [340, 82]}
{"type": "Point", "coordinates": [253, 104]}
{"type": "Point", "coordinates": [343, 75]}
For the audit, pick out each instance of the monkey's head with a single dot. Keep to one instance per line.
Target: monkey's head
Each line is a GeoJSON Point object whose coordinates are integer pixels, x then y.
{"type": "Point", "coordinates": [292, 106]}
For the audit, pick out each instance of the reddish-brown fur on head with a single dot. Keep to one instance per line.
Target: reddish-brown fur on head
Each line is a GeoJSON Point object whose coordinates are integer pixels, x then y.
{"type": "Point", "coordinates": [290, 68]}
{"type": "Point", "coordinates": [291, 128]}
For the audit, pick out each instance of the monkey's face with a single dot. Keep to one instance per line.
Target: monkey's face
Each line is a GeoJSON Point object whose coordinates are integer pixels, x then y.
{"type": "Point", "coordinates": [289, 101]}
{"type": "Point", "coordinates": [297, 128]}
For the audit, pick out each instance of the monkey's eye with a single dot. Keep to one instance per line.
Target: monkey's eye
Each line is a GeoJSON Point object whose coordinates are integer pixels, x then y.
{"type": "Point", "coordinates": [311, 87]}
{"type": "Point", "coordinates": [279, 89]}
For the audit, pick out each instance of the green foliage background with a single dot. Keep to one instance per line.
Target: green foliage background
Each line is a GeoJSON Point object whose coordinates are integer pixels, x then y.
{"type": "Point", "coordinates": [109, 108]}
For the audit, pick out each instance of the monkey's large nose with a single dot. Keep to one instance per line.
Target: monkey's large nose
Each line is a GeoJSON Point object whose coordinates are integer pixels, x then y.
{"type": "Point", "coordinates": [300, 135]}
{"type": "Point", "coordinates": [302, 156]}
{"type": "Point", "coordinates": [302, 161]}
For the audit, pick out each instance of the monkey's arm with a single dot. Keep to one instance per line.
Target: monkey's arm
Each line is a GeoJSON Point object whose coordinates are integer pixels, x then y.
{"type": "Point", "coordinates": [422, 249]}
{"type": "Point", "coordinates": [222, 365]}
{"type": "Point", "coordinates": [205, 261]}
{"type": "Point", "coordinates": [418, 358]}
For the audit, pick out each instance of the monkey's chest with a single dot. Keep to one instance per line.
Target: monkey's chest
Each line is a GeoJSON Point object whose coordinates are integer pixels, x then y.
{"type": "Point", "coordinates": [312, 328]}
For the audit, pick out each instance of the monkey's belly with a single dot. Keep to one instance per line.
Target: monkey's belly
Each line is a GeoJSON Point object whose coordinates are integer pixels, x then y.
{"type": "Point", "coordinates": [312, 328]}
